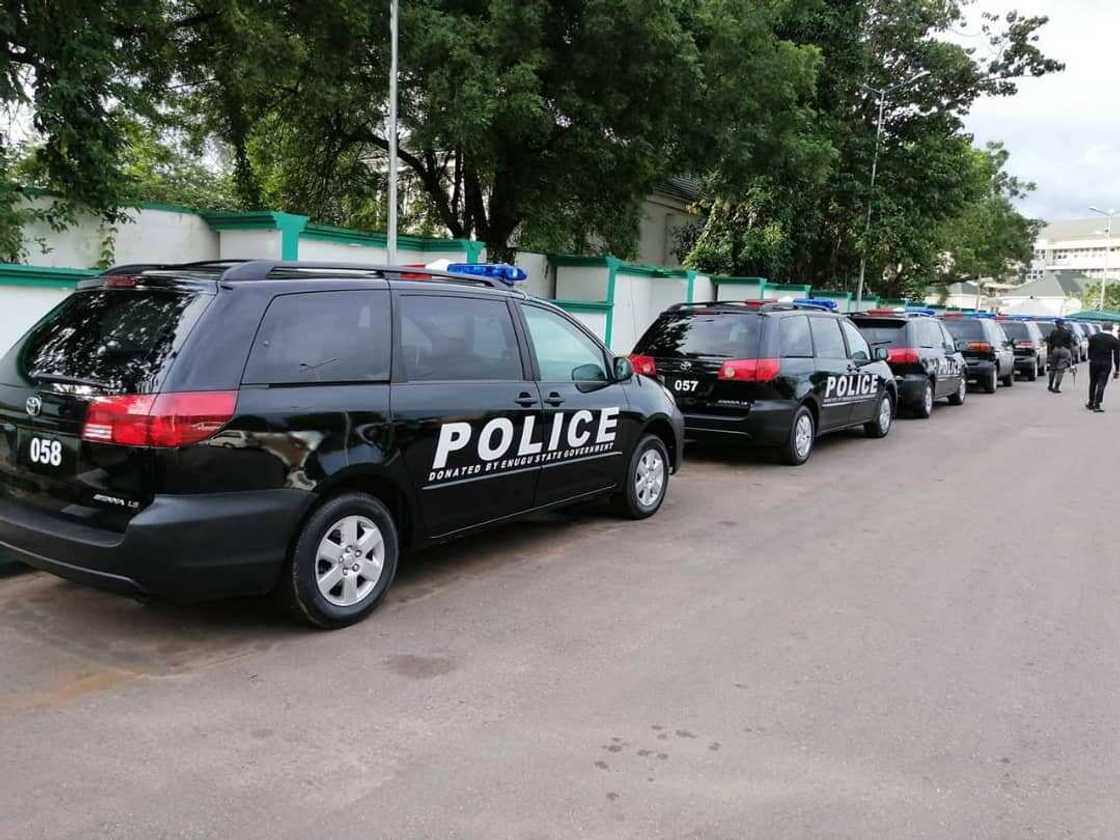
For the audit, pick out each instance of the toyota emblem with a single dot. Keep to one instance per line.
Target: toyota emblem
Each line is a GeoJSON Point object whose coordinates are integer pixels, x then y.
{"type": "Point", "coordinates": [686, 365]}
{"type": "Point", "coordinates": [33, 405]}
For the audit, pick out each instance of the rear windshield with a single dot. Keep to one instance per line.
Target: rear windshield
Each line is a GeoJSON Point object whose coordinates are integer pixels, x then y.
{"type": "Point", "coordinates": [729, 335]}
{"type": "Point", "coordinates": [1045, 327]}
{"type": "Point", "coordinates": [116, 340]}
{"type": "Point", "coordinates": [880, 332]}
{"type": "Point", "coordinates": [966, 328]}
{"type": "Point", "coordinates": [1016, 330]}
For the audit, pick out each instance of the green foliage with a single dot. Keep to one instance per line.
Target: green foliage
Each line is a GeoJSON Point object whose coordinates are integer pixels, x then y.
{"type": "Point", "coordinates": [989, 238]}
{"type": "Point", "coordinates": [535, 120]}
{"type": "Point", "coordinates": [815, 217]}
{"type": "Point", "coordinates": [1092, 296]}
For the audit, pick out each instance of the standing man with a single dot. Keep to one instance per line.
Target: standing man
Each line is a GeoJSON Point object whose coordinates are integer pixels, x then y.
{"type": "Point", "coordinates": [1059, 344]}
{"type": "Point", "coordinates": [1104, 358]}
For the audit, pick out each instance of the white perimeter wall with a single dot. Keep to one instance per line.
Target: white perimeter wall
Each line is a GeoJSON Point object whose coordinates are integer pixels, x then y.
{"type": "Point", "coordinates": [152, 236]}
{"type": "Point", "coordinates": [582, 282]}
{"type": "Point", "coordinates": [22, 306]}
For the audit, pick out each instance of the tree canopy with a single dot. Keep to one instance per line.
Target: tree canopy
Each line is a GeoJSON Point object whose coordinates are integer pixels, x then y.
{"type": "Point", "coordinates": [535, 123]}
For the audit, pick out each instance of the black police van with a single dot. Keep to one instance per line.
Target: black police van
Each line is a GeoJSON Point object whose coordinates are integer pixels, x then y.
{"type": "Point", "coordinates": [925, 359]}
{"type": "Point", "coordinates": [1029, 344]}
{"type": "Point", "coordinates": [766, 373]}
{"type": "Point", "coordinates": [988, 353]}
{"type": "Point", "coordinates": [228, 428]}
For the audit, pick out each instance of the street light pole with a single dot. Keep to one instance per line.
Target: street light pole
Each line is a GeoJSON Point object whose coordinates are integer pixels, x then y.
{"type": "Point", "coordinates": [1110, 215]}
{"type": "Point", "coordinates": [882, 94]}
{"type": "Point", "coordinates": [391, 247]}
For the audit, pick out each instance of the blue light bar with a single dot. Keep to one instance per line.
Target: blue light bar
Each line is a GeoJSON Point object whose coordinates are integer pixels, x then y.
{"type": "Point", "coordinates": [508, 274]}
{"type": "Point", "coordinates": [920, 310]}
{"type": "Point", "coordinates": [819, 303]}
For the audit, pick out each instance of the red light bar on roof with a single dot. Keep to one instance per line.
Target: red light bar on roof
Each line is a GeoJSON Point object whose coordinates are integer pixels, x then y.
{"type": "Point", "coordinates": [121, 281]}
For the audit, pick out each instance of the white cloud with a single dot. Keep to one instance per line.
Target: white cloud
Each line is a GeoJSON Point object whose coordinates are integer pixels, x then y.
{"type": "Point", "coordinates": [1063, 130]}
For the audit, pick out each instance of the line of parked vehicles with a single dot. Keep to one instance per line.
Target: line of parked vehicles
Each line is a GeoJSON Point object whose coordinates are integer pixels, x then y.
{"type": "Point", "coordinates": [247, 427]}
{"type": "Point", "coordinates": [780, 375]}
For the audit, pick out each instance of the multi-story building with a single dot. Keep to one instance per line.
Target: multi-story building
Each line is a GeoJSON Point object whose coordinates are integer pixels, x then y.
{"type": "Point", "coordinates": [1077, 246]}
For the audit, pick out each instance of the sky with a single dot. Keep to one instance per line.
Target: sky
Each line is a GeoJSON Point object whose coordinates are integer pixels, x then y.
{"type": "Point", "coordinates": [1063, 130]}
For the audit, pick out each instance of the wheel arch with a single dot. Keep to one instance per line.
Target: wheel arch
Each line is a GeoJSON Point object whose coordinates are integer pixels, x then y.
{"type": "Point", "coordinates": [663, 429]}
{"type": "Point", "coordinates": [378, 483]}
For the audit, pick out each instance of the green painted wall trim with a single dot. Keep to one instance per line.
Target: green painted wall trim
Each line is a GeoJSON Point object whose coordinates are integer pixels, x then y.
{"type": "Point", "coordinates": [691, 286]}
{"type": "Point", "coordinates": [718, 278]}
{"type": "Point", "coordinates": [12, 274]}
{"type": "Point", "coordinates": [788, 287]}
{"type": "Point", "coordinates": [375, 239]}
{"type": "Point", "coordinates": [474, 249]}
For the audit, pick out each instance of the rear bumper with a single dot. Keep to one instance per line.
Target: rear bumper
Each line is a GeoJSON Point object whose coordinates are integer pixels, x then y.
{"type": "Point", "coordinates": [980, 369]}
{"type": "Point", "coordinates": [180, 547]}
{"type": "Point", "coordinates": [764, 422]}
{"type": "Point", "coordinates": [911, 388]}
{"type": "Point", "coordinates": [1026, 363]}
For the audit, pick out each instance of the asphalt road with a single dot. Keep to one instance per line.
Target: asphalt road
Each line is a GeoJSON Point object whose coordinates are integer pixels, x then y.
{"type": "Point", "coordinates": [914, 637]}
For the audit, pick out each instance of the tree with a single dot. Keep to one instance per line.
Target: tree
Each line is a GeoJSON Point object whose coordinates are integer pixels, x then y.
{"type": "Point", "coordinates": [1092, 295]}
{"type": "Point", "coordinates": [989, 237]}
{"type": "Point", "coordinates": [540, 121]}
{"type": "Point", "coordinates": [811, 223]}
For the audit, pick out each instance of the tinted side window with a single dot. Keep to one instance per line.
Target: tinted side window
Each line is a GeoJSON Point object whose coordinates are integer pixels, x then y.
{"type": "Point", "coordinates": [950, 342]}
{"type": "Point", "coordinates": [828, 339]}
{"type": "Point", "coordinates": [857, 344]}
{"type": "Point", "coordinates": [457, 338]}
{"type": "Point", "coordinates": [564, 353]}
{"type": "Point", "coordinates": [794, 336]}
{"type": "Point", "coordinates": [323, 337]}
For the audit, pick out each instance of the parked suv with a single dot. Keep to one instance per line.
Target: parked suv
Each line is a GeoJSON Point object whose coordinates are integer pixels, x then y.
{"type": "Point", "coordinates": [1030, 346]}
{"type": "Point", "coordinates": [1081, 335]}
{"type": "Point", "coordinates": [988, 353]}
{"type": "Point", "coordinates": [769, 374]}
{"type": "Point", "coordinates": [924, 358]}
{"type": "Point", "coordinates": [227, 428]}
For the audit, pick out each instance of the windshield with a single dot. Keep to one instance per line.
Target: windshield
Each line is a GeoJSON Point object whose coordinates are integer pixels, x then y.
{"type": "Point", "coordinates": [729, 335]}
{"type": "Point", "coordinates": [115, 340]}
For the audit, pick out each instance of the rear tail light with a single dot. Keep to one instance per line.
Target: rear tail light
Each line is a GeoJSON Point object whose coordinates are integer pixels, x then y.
{"type": "Point", "coordinates": [980, 347]}
{"type": "Point", "coordinates": [158, 420]}
{"type": "Point", "coordinates": [750, 370]}
{"type": "Point", "coordinates": [903, 355]}
{"type": "Point", "coordinates": [644, 365]}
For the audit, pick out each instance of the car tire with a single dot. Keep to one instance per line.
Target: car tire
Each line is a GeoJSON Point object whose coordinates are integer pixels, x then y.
{"type": "Point", "coordinates": [647, 480]}
{"type": "Point", "coordinates": [801, 440]}
{"type": "Point", "coordinates": [1032, 374]}
{"type": "Point", "coordinates": [880, 427]}
{"type": "Point", "coordinates": [992, 382]}
{"type": "Point", "coordinates": [1009, 380]}
{"type": "Point", "coordinates": [923, 409]}
{"type": "Point", "coordinates": [958, 396]}
{"type": "Point", "coordinates": [332, 588]}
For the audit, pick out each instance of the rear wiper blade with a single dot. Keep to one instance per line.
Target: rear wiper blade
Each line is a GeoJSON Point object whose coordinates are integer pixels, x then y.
{"type": "Point", "coordinates": [69, 380]}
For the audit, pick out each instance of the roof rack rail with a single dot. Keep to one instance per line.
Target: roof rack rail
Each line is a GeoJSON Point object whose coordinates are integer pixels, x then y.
{"type": "Point", "coordinates": [263, 270]}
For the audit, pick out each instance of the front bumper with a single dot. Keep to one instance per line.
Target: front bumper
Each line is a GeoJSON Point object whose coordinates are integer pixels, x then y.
{"type": "Point", "coordinates": [180, 547]}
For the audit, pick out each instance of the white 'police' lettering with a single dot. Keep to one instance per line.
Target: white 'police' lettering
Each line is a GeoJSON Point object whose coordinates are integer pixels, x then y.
{"type": "Point", "coordinates": [496, 440]}
{"type": "Point", "coordinates": [849, 386]}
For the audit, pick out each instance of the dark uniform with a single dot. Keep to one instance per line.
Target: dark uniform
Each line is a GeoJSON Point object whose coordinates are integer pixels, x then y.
{"type": "Point", "coordinates": [1104, 355]}
{"type": "Point", "coordinates": [1060, 344]}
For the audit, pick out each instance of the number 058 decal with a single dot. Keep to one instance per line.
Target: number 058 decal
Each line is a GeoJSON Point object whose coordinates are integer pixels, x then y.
{"type": "Point", "coordinates": [46, 452]}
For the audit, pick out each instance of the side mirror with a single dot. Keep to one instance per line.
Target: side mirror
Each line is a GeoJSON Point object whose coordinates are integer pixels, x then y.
{"type": "Point", "coordinates": [623, 370]}
{"type": "Point", "coordinates": [881, 354]}
{"type": "Point", "coordinates": [589, 373]}
{"type": "Point", "coordinates": [961, 345]}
